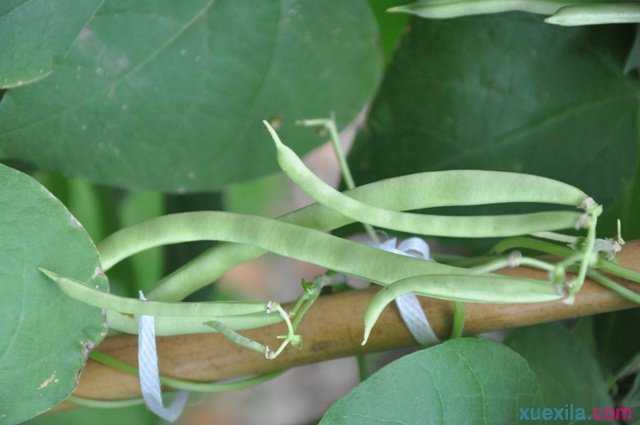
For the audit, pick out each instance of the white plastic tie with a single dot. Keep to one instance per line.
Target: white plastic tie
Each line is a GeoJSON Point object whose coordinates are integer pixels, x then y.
{"type": "Point", "coordinates": [408, 304]}
{"type": "Point", "coordinates": [149, 373]}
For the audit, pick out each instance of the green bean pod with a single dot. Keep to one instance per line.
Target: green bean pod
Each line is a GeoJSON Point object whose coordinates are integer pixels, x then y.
{"type": "Point", "coordinates": [443, 9]}
{"type": "Point", "coordinates": [410, 192]}
{"type": "Point", "coordinates": [596, 14]}
{"type": "Point", "coordinates": [167, 326]}
{"type": "Point", "coordinates": [87, 295]}
{"type": "Point", "coordinates": [464, 288]}
{"type": "Point", "coordinates": [437, 225]}
{"type": "Point", "coordinates": [280, 238]}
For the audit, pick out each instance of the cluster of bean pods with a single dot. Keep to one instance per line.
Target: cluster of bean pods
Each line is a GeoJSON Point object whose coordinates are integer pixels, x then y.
{"type": "Point", "coordinates": [304, 235]}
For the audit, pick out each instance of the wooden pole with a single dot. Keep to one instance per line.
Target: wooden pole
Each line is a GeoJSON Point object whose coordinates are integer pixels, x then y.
{"type": "Point", "coordinates": [333, 328]}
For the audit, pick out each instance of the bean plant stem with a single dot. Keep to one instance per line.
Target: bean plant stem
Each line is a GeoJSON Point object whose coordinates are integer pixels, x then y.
{"type": "Point", "coordinates": [614, 286]}
{"type": "Point", "coordinates": [181, 384]}
{"type": "Point", "coordinates": [556, 237]}
{"type": "Point", "coordinates": [363, 367]}
{"type": "Point", "coordinates": [618, 270]}
{"type": "Point", "coordinates": [332, 128]}
{"type": "Point", "coordinates": [105, 404]}
{"type": "Point", "coordinates": [561, 251]}
{"type": "Point", "coordinates": [458, 320]}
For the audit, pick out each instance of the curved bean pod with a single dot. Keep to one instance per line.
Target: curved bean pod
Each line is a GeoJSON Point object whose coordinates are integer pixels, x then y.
{"type": "Point", "coordinates": [410, 192]}
{"type": "Point", "coordinates": [442, 9]}
{"type": "Point", "coordinates": [466, 288]}
{"type": "Point", "coordinates": [87, 295]}
{"type": "Point", "coordinates": [281, 238]}
{"type": "Point", "coordinates": [434, 225]}
{"type": "Point", "coordinates": [448, 188]}
{"type": "Point", "coordinates": [596, 14]}
{"type": "Point", "coordinates": [167, 326]}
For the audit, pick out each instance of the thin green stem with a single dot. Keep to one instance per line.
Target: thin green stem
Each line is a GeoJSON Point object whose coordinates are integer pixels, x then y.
{"type": "Point", "coordinates": [363, 367]}
{"type": "Point", "coordinates": [105, 404]}
{"type": "Point", "coordinates": [330, 125]}
{"type": "Point", "coordinates": [512, 261]}
{"type": "Point", "coordinates": [291, 336]}
{"type": "Point", "coordinates": [458, 320]}
{"type": "Point", "coordinates": [309, 297]}
{"type": "Point", "coordinates": [587, 253]}
{"type": "Point", "coordinates": [618, 270]}
{"type": "Point", "coordinates": [614, 286]}
{"type": "Point", "coordinates": [238, 338]}
{"type": "Point", "coordinates": [561, 251]}
{"type": "Point", "coordinates": [556, 237]}
{"type": "Point", "coordinates": [181, 384]}
{"type": "Point", "coordinates": [532, 244]}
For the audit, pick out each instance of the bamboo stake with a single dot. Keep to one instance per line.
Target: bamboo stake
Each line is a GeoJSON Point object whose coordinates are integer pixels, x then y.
{"type": "Point", "coordinates": [333, 328]}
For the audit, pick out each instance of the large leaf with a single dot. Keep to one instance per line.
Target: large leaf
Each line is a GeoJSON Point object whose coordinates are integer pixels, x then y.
{"type": "Point", "coordinates": [506, 92]}
{"type": "Point", "coordinates": [566, 367]}
{"type": "Point", "coordinates": [136, 415]}
{"type": "Point", "coordinates": [392, 25]}
{"type": "Point", "coordinates": [45, 336]}
{"type": "Point", "coordinates": [463, 381]}
{"type": "Point", "coordinates": [169, 95]}
{"type": "Point", "coordinates": [615, 347]}
{"type": "Point", "coordinates": [34, 32]}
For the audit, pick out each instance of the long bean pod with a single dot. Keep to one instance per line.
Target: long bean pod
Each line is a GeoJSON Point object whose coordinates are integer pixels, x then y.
{"type": "Point", "coordinates": [167, 326]}
{"type": "Point", "coordinates": [220, 309]}
{"type": "Point", "coordinates": [596, 14]}
{"type": "Point", "coordinates": [466, 288]}
{"type": "Point", "coordinates": [404, 193]}
{"type": "Point", "coordinates": [281, 238]}
{"type": "Point", "coordinates": [434, 225]}
{"type": "Point", "coordinates": [442, 9]}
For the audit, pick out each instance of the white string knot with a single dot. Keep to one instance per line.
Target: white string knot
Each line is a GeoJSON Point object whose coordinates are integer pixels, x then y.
{"type": "Point", "coordinates": [149, 373]}
{"type": "Point", "coordinates": [408, 304]}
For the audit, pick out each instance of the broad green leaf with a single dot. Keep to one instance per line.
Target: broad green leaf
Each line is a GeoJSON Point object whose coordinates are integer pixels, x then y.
{"type": "Point", "coordinates": [632, 398]}
{"type": "Point", "coordinates": [136, 415]}
{"type": "Point", "coordinates": [265, 196]}
{"type": "Point", "coordinates": [168, 95]}
{"type": "Point", "coordinates": [462, 381]}
{"type": "Point", "coordinates": [507, 92]}
{"type": "Point", "coordinates": [45, 336]}
{"type": "Point", "coordinates": [34, 32]}
{"type": "Point", "coordinates": [567, 369]}
{"type": "Point", "coordinates": [616, 346]}
{"type": "Point", "coordinates": [392, 26]}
